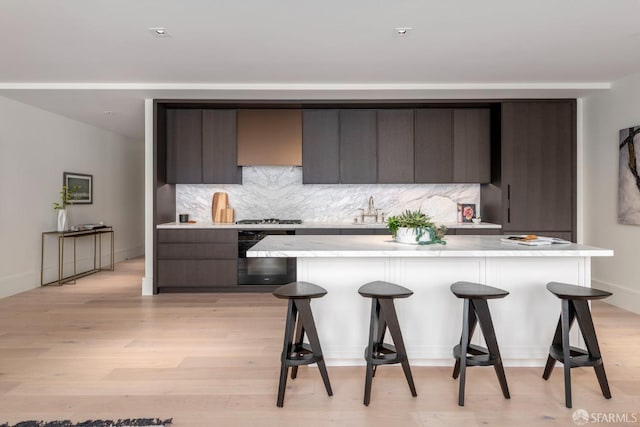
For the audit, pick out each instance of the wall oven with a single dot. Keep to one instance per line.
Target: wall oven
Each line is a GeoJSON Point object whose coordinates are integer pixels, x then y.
{"type": "Point", "coordinates": [263, 271]}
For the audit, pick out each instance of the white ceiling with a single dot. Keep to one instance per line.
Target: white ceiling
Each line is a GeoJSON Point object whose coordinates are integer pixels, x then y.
{"type": "Point", "coordinates": [81, 58]}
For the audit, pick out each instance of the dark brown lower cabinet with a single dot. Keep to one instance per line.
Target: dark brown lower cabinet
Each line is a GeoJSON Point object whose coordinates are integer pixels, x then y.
{"type": "Point", "coordinates": [197, 260]}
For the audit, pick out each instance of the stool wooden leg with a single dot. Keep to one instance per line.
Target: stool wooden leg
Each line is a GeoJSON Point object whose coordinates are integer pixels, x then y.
{"type": "Point", "coordinates": [286, 348]}
{"type": "Point", "coordinates": [473, 320]}
{"type": "Point", "coordinates": [585, 321]}
{"type": "Point", "coordinates": [557, 340]}
{"type": "Point", "coordinates": [566, 351]}
{"type": "Point", "coordinates": [391, 319]}
{"type": "Point", "coordinates": [298, 338]}
{"type": "Point", "coordinates": [382, 329]}
{"type": "Point", "coordinates": [306, 317]}
{"type": "Point", "coordinates": [373, 332]}
{"type": "Point", "coordinates": [464, 342]}
{"type": "Point", "coordinates": [486, 324]}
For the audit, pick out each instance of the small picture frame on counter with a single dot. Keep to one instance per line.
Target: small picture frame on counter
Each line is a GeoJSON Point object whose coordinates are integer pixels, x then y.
{"type": "Point", "coordinates": [466, 212]}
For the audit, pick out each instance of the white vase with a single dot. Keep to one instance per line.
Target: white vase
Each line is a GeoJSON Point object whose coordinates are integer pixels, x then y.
{"type": "Point", "coordinates": [62, 220]}
{"type": "Point", "coordinates": [409, 235]}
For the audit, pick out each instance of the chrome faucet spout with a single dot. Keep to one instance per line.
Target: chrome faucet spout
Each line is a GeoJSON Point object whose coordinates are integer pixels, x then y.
{"type": "Point", "coordinates": [371, 208]}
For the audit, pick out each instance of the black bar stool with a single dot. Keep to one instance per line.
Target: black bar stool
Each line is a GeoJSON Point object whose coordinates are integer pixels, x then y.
{"type": "Point", "coordinates": [383, 317]}
{"type": "Point", "coordinates": [300, 322]}
{"type": "Point", "coordinates": [476, 310]}
{"type": "Point", "coordinates": [575, 306]}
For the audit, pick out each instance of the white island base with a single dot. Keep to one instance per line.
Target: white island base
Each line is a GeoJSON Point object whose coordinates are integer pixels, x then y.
{"type": "Point", "coordinates": [431, 319]}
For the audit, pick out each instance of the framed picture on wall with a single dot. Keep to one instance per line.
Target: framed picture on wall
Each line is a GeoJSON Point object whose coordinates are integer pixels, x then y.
{"type": "Point", "coordinates": [84, 185]}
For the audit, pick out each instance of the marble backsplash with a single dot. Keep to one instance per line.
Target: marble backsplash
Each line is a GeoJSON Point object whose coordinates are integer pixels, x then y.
{"type": "Point", "coordinates": [277, 192]}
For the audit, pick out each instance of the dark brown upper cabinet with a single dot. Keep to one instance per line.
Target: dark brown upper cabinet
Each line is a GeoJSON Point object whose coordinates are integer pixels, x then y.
{"type": "Point", "coordinates": [395, 146]}
{"type": "Point", "coordinates": [433, 150]}
{"type": "Point", "coordinates": [358, 146]}
{"type": "Point", "coordinates": [471, 145]}
{"type": "Point", "coordinates": [320, 147]}
{"type": "Point", "coordinates": [453, 145]}
{"type": "Point", "coordinates": [219, 148]}
{"type": "Point", "coordinates": [184, 146]}
{"type": "Point", "coordinates": [201, 147]}
{"type": "Point", "coordinates": [538, 166]}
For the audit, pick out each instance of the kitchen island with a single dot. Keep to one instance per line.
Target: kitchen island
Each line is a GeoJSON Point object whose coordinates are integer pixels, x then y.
{"type": "Point", "coordinates": [431, 319]}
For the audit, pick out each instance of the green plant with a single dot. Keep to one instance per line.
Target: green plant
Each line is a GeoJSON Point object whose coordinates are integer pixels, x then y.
{"type": "Point", "coordinates": [67, 196]}
{"type": "Point", "coordinates": [418, 220]}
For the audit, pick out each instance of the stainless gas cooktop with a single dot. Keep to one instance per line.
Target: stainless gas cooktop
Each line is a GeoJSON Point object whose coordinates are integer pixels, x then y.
{"type": "Point", "coordinates": [269, 221]}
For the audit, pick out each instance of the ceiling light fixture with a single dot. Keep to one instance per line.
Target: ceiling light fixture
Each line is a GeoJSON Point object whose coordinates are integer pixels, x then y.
{"type": "Point", "coordinates": [109, 113]}
{"type": "Point", "coordinates": [402, 31]}
{"type": "Point", "coordinates": [159, 32]}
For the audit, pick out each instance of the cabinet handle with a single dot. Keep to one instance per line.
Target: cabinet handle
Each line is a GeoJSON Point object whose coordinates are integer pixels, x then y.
{"type": "Point", "coordinates": [508, 203]}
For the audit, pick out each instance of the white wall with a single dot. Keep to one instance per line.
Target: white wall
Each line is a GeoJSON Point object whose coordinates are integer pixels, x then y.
{"type": "Point", "coordinates": [603, 116]}
{"type": "Point", "coordinates": [36, 147]}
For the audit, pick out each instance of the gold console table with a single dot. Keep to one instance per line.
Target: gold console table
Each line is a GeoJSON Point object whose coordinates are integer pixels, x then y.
{"type": "Point", "coordinates": [97, 234]}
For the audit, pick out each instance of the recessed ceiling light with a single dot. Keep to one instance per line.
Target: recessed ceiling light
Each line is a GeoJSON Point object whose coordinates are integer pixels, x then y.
{"type": "Point", "coordinates": [402, 31]}
{"type": "Point", "coordinates": [159, 32]}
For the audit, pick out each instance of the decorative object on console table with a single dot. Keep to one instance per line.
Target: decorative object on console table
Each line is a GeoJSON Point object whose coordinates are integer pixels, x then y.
{"type": "Point", "coordinates": [83, 195]}
{"type": "Point", "coordinates": [629, 176]}
{"type": "Point", "coordinates": [466, 212]}
{"type": "Point", "coordinates": [66, 198]}
{"type": "Point", "coordinates": [414, 227]}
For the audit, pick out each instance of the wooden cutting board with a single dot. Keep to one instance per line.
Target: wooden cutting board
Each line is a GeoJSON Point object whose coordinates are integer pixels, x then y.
{"type": "Point", "coordinates": [218, 206]}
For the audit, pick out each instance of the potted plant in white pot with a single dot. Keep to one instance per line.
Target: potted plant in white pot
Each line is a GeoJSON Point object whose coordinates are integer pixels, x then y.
{"type": "Point", "coordinates": [66, 198]}
{"type": "Point", "coordinates": [415, 227]}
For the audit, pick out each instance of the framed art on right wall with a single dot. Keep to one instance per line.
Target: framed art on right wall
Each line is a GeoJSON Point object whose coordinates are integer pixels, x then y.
{"type": "Point", "coordinates": [629, 176]}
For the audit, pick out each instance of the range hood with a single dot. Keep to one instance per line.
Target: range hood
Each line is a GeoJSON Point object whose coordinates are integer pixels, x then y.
{"type": "Point", "coordinates": [269, 137]}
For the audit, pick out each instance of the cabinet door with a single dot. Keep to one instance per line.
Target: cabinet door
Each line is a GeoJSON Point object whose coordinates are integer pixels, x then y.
{"type": "Point", "coordinates": [320, 147]}
{"type": "Point", "coordinates": [184, 146]}
{"type": "Point", "coordinates": [433, 146]}
{"type": "Point", "coordinates": [471, 145]}
{"type": "Point", "coordinates": [395, 146]}
{"type": "Point", "coordinates": [358, 158]}
{"type": "Point", "coordinates": [219, 152]}
{"type": "Point", "coordinates": [538, 166]}
{"type": "Point", "coordinates": [196, 259]}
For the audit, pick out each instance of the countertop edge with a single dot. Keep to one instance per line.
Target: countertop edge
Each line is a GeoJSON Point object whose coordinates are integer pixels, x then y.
{"type": "Point", "coordinates": [309, 225]}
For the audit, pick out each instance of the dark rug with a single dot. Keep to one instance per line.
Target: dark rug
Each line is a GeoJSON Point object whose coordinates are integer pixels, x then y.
{"type": "Point", "coordinates": [126, 422]}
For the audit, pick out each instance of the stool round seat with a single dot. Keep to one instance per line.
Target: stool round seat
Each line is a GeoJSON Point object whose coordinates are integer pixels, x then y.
{"type": "Point", "coordinates": [381, 289]}
{"type": "Point", "coordinates": [477, 291]}
{"type": "Point", "coordinates": [299, 290]}
{"type": "Point", "coordinates": [574, 292]}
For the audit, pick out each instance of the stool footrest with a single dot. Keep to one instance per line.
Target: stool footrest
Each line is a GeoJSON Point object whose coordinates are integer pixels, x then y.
{"type": "Point", "coordinates": [578, 356]}
{"type": "Point", "coordinates": [302, 355]}
{"type": "Point", "coordinates": [384, 354]}
{"type": "Point", "coordinates": [479, 355]}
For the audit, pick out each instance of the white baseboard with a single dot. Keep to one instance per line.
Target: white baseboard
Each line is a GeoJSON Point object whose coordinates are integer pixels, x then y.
{"type": "Point", "coordinates": [625, 298]}
{"type": "Point", "coordinates": [14, 284]}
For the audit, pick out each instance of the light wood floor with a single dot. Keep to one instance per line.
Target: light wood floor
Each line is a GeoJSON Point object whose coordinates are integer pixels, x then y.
{"type": "Point", "coordinates": [98, 349]}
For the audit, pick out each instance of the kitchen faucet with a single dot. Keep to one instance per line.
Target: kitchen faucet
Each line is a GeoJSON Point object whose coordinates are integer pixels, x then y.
{"type": "Point", "coordinates": [371, 211]}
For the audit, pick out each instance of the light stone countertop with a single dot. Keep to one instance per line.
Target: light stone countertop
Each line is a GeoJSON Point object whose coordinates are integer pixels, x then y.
{"type": "Point", "coordinates": [310, 225]}
{"type": "Point", "coordinates": [384, 246]}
